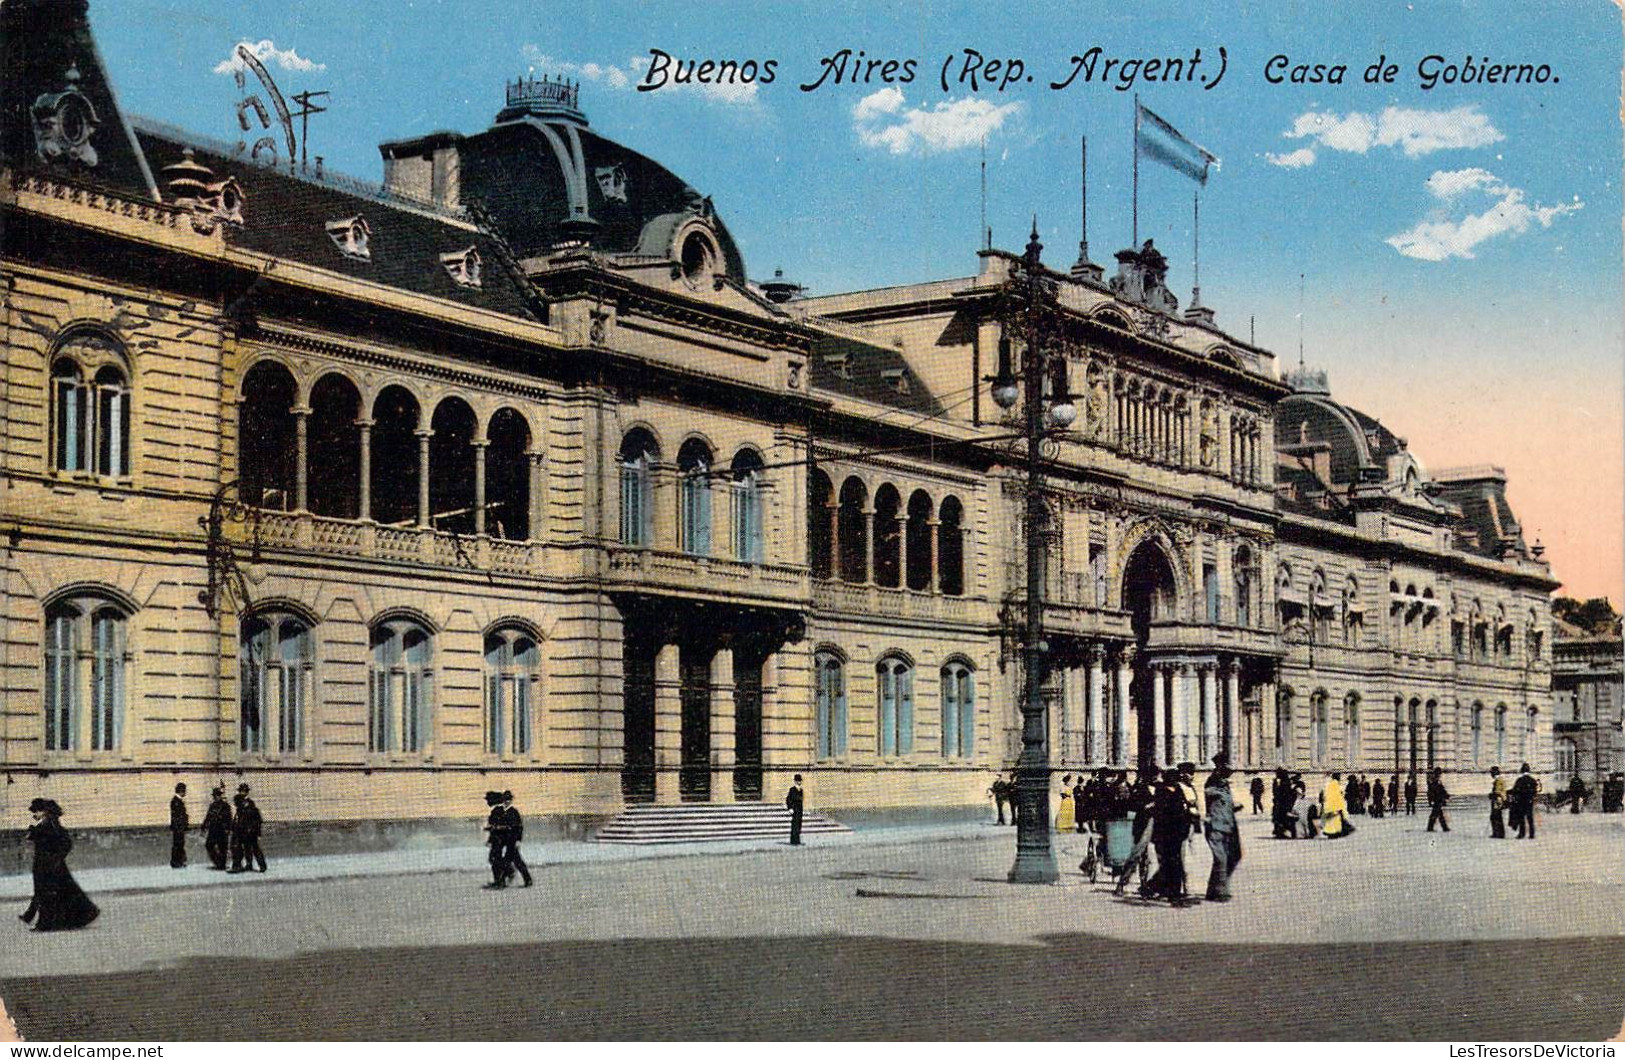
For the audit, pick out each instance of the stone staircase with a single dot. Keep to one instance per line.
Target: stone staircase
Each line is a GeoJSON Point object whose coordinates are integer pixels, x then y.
{"type": "Point", "coordinates": [704, 822]}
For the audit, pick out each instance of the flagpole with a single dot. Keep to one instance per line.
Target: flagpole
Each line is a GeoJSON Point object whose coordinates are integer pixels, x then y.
{"type": "Point", "coordinates": [1135, 241]}
{"type": "Point", "coordinates": [1196, 248]}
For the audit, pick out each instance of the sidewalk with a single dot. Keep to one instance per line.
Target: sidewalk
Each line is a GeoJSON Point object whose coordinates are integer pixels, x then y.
{"type": "Point", "coordinates": [149, 879]}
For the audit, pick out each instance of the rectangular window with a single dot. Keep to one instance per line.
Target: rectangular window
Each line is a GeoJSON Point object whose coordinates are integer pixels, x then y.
{"type": "Point", "coordinates": [70, 425]}
{"type": "Point", "coordinates": [521, 714]}
{"type": "Point", "coordinates": [379, 712]}
{"type": "Point", "coordinates": [413, 710]}
{"type": "Point", "coordinates": [61, 684]}
{"type": "Point", "coordinates": [112, 417]}
{"type": "Point", "coordinates": [634, 506]}
{"type": "Point", "coordinates": [291, 718]}
{"type": "Point", "coordinates": [1210, 591]}
{"type": "Point", "coordinates": [494, 714]}
{"type": "Point", "coordinates": [107, 683]}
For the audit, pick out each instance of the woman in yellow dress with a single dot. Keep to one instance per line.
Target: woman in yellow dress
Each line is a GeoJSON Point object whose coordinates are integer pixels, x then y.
{"type": "Point", "coordinates": [1334, 818]}
{"type": "Point", "coordinates": [1066, 820]}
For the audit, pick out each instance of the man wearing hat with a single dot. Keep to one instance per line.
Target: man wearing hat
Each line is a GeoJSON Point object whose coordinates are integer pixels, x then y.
{"type": "Point", "coordinates": [179, 822]}
{"type": "Point", "coordinates": [245, 834]}
{"type": "Point", "coordinates": [795, 800]}
{"type": "Point", "coordinates": [1220, 827]}
{"type": "Point", "coordinates": [513, 830]}
{"type": "Point", "coordinates": [495, 835]}
{"type": "Point", "coordinates": [217, 828]}
{"type": "Point", "coordinates": [1498, 802]}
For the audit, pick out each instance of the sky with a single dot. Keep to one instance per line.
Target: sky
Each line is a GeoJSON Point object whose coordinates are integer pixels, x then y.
{"type": "Point", "coordinates": [1446, 244]}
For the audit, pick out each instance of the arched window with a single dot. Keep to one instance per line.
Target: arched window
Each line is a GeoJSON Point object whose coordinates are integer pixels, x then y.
{"type": "Point", "coordinates": [71, 416]}
{"type": "Point", "coordinates": [1530, 734]}
{"type": "Point", "coordinates": [895, 681]}
{"type": "Point", "coordinates": [1243, 573]}
{"type": "Point", "coordinates": [951, 548]}
{"type": "Point", "coordinates": [1319, 729]}
{"type": "Point", "coordinates": [1500, 733]}
{"type": "Point", "coordinates": [1478, 734]}
{"type": "Point", "coordinates": [1567, 756]}
{"type": "Point", "coordinates": [401, 707]}
{"type": "Point", "coordinates": [451, 467]}
{"type": "Point", "coordinates": [830, 677]}
{"type": "Point", "coordinates": [918, 543]}
{"type": "Point", "coordinates": [638, 456]}
{"type": "Point", "coordinates": [267, 453]}
{"type": "Point", "coordinates": [958, 711]}
{"type": "Point", "coordinates": [335, 448]}
{"type": "Point", "coordinates": [1351, 729]}
{"type": "Point", "coordinates": [85, 706]}
{"type": "Point", "coordinates": [513, 664]}
{"type": "Point", "coordinates": [1353, 618]}
{"type": "Point", "coordinates": [507, 476]}
{"type": "Point", "coordinates": [694, 464]}
{"type": "Point", "coordinates": [854, 537]}
{"type": "Point", "coordinates": [90, 413]}
{"type": "Point", "coordinates": [888, 537]}
{"type": "Point", "coordinates": [820, 530]}
{"type": "Point", "coordinates": [748, 535]}
{"type": "Point", "coordinates": [397, 457]}
{"type": "Point", "coordinates": [275, 656]}
{"type": "Point", "coordinates": [1320, 607]}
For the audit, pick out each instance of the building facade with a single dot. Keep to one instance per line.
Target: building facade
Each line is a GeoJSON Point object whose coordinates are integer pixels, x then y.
{"type": "Point", "coordinates": [505, 474]}
{"type": "Point", "coordinates": [1588, 704]}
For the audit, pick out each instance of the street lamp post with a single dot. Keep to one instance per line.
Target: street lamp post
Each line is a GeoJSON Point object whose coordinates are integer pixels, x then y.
{"type": "Point", "coordinates": [1035, 860]}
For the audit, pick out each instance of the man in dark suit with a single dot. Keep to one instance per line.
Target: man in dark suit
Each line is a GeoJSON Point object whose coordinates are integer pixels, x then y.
{"type": "Point", "coordinates": [179, 822]}
{"type": "Point", "coordinates": [1410, 794]}
{"type": "Point", "coordinates": [217, 829]}
{"type": "Point", "coordinates": [245, 834]}
{"type": "Point", "coordinates": [1524, 790]}
{"type": "Point", "coordinates": [1256, 789]}
{"type": "Point", "coordinates": [1171, 825]}
{"type": "Point", "coordinates": [513, 830]}
{"type": "Point", "coordinates": [496, 825]}
{"type": "Point", "coordinates": [796, 801]}
{"type": "Point", "coordinates": [1222, 837]}
{"type": "Point", "coordinates": [1438, 799]}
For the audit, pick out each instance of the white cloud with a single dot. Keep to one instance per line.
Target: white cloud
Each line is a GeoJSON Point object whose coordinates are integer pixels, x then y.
{"type": "Point", "coordinates": [269, 54]}
{"type": "Point", "coordinates": [626, 76]}
{"type": "Point", "coordinates": [881, 119]}
{"type": "Point", "coordinates": [1303, 156]}
{"type": "Point", "coordinates": [1441, 237]}
{"type": "Point", "coordinates": [1414, 132]}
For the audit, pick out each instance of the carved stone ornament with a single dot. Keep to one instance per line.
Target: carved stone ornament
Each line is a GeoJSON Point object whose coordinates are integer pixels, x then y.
{"type": "Point", "coordinates": [64, 122]}
{"type": "Point", "coordinates": [611, 182]}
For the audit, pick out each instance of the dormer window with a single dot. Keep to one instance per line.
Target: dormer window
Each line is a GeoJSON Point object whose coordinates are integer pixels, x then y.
{"type": "Point", "coordinates": [352, 236]}
{"type": "Point", "coordinates": [463, 266]}
{"type": "Point", "coordinates": [226, 201]}
{"type": "Point", "coordinates": [896, 378]}
{"type": "Point", "coordinates": [840, 363]}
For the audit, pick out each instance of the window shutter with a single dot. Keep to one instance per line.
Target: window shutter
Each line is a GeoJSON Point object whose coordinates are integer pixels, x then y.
{"type": "Point", "coordinates": [905, 710]}
{"type": "Point", "coordinates": [888, 710]}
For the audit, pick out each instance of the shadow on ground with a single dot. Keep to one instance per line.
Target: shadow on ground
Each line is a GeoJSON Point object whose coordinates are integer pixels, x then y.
{"type": "Point", "coordinates": [1072, 987]}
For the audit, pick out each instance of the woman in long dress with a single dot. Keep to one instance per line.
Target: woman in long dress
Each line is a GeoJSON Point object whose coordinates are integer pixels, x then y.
{"type": "Point", "coordinates": [1334, 811]}
{"type": "Point", "coordinates": [1066, 819]}
{"type": "Point", "coordinates": [59, 904]}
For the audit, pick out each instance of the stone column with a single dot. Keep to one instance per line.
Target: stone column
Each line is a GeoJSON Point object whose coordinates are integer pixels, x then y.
{"type": "Point", "coordinates": [834, 509]}
{"type": "Point", "coordinates": [1128, 729]}
{"type": "Point", "coordinates": [423, 478]}
{"type": "Point", "coordinates": [537, 496]}
{"type": "Point", "coordinates": [1099, 749]}
{"type": "Point", "coordinates": [1160, 734]}
{"type": "Point", "coordinates": [934, 582]}
{"type": "Point", "coordinates": [869, 543]}
{"type": "Point", "coordinates": [480, 448]}
{"type": "Point", "coordinates": [301, 471]}
{"type": "Point", "coordinates": [1178, 717]}
{"type": "Point", "coordinates": [1232, 704]}
{"type": "Point", "coordinates": [668, 722]}
{"type": "Point", "coordinates": [364, 491]}
{"type": "Point", "coordinates": [1208, 736]}
{"type": "Point", "coordinates": [722, 725]}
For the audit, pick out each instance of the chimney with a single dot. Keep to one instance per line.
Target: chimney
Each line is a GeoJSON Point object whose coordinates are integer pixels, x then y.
{"type": "Point", "coordinates": [427, 169]}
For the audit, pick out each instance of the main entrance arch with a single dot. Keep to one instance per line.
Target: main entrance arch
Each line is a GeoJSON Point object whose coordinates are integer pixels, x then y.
{"type": "Point", "coordinates": [1150, 593]}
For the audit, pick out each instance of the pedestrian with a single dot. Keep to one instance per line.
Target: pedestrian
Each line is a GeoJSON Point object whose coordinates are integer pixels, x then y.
{"type": "Point", "coordinates": [1498, 801]}
{"type": "Point", "coordinates": [1524, 791]}
{"type": "Point", "coordinates": [1256, 790]}
{"type": "Point", "coordinates": [1085, 794]}
{"type": "Point", "coordinates": [1223, 839]}
{"type": "Point", "coordinates": [1282, 797]}
{"type": "Point", "coordinates": [513, 830]}
{"type": "Point", "coordinates": [1140, 800]}
{"type": "Point", "coordinates": [1351, 794]}
{"type": "Point", "coordinates": [1410, 795]}
{"type": "Point", "coordinates": [58, 903]}
{"type": "Point", "coordinates": [237, 829]}
{"type": "Point", "coordinates": [1393, 795]}
{"type": "Point", "coordinates": [1578, 793]}
{"type": "Point", "coordinates": [179, 822]}
{"type": "Point", "coordinates": [1066, 819]}
{"type": "Point", "coordinates": [1334, 811]}
{"type": "Point", "coordinates": [1438, 799]}
{"type": "Point", "coordinates": [1613, 793]}
{"type": "Point", "coordinates": [1169, 828]}
{"type": "Point", "coordinates": [796, 801]}
{"type": "Point", "coordinates": [1001, 795]}
{"type": "Point", "coordinates": [217, 829]}
{"type": "Point", "coordinates": [496, 824]}
{"type": "Point", "coordinates": [245, 831]}
{"type": "Point", "coordinates": [1365, 793]}
{"type": "Point", "coordinates": [1376, 798]}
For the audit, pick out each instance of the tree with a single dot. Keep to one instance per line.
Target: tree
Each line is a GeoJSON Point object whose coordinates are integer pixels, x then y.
{"type": "Point", "coordinates": [1596, 616]}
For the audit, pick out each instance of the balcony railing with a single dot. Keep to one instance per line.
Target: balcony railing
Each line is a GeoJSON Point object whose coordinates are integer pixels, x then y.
{"type": "Point", "coordinates": [847, 598]}
{"type": "Point", "coordinates": [346, 537]}
{"type": "Point", "coordinates": [705, 575]}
